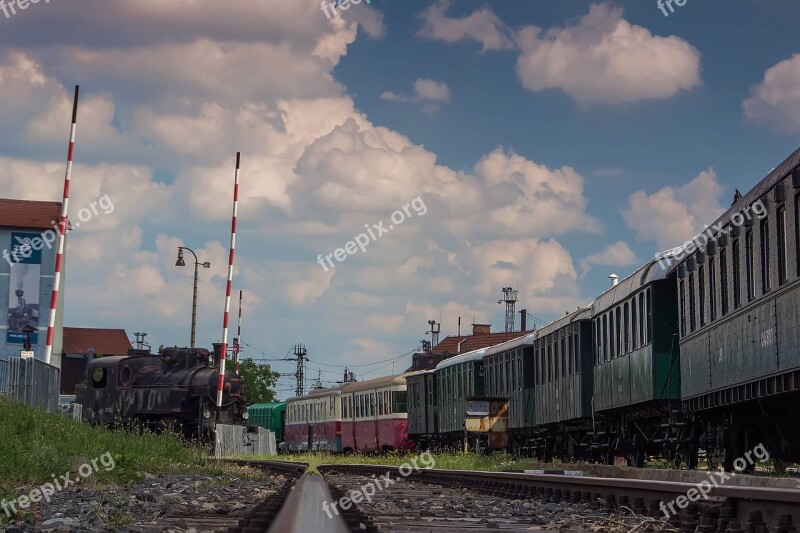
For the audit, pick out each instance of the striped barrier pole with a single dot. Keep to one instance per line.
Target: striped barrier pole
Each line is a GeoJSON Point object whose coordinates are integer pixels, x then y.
{"type": "Point", "coordinates": [239, 334]}
{"type": "Point", "coordinates": [224, 350]}
{"type": "Point", "coordinates": [62, 231]}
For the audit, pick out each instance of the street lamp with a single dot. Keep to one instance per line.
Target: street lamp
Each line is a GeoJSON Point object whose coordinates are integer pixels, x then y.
{"type": "Point", "coordinates": [180, 262]}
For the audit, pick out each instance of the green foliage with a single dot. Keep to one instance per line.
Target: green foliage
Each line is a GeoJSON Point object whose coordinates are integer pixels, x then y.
{"type": "Point", "coordinates": [258, 380]}
{"type": "Point", "coordinates": [444, 461]}
{"type": "Point", "coordinates": [37, 445]}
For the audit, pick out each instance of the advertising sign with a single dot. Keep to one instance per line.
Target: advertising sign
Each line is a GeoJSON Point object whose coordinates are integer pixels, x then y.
{"type": "Point", "coordinates": [23, 294]}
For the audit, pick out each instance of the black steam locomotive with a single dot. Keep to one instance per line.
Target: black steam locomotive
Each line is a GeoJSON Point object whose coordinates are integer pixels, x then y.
{"type": "Point", "coordinates": [176, 388]}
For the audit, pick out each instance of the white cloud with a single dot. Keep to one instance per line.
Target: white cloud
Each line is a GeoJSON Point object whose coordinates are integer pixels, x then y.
{"type": "Point", "coordinates": [617, 254]}
{"type": "Point", "coordinates": [482, 26]}
{"type": "Point", "coordinates": [604, 59]}
{"type": "Point", "coordinates": [775, 102]}
{"type": "Point", "coordinates": [672, 215]}
{"type": "Point", "coordinates": [160, 142]}
{"type": "Point", "coordinates": [428, 92]}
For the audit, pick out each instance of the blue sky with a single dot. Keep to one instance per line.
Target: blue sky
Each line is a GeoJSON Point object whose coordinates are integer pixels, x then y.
{"type": "Point", "coordinates": [552, 143]}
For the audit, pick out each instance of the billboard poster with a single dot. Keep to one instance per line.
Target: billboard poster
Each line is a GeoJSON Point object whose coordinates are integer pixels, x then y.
{"type": "Point", "coordinates": [23, 294]}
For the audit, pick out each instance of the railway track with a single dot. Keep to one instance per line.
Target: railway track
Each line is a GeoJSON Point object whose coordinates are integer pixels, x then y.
{"type": "Point", "coordinates": [443, 500]}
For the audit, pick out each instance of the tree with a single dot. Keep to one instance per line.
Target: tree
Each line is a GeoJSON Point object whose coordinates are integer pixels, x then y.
{"type": "Point", "coordinates": [258, 380]}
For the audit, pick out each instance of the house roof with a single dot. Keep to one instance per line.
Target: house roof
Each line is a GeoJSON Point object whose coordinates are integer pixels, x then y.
{"type": "Point", "coordinates": [450, 345]}
{"type": "Point", "coordinates": [27, 214]}
{"type": "Point", "coordinates": [102, 341]}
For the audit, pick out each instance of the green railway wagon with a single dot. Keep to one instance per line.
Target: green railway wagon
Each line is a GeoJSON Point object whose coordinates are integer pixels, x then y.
{"type": "Point", "coordinates": [270, 416]}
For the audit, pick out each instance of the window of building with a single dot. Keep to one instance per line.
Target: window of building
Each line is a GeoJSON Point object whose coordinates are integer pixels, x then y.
{"type": "Point", "coordinates": [712, 288]}
{"type": "Point", "coordinates": [780, 216]}
{"type": "Point", "coordinates": [692, 301]}
{"type": "Point", "coordinates": [765, 259]}
{"type": "Point", "coordinates": [723, 279]}
{"type": "Point", "coordinates": [737, 277]}
{"type": "Point", "coordinates": [701, 282]}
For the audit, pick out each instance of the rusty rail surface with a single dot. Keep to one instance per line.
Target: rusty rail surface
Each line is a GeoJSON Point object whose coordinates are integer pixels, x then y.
{"type": "Point", "coordinates": [752, 507]}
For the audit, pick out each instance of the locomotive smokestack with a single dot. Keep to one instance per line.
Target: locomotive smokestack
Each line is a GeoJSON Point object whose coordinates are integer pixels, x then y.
{"type": "Point", "coordinates": [218, 353]}
{"type": "Point", "coordinates": [614, 279]}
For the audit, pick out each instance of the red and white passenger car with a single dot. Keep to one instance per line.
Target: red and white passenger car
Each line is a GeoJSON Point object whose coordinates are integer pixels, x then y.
{"type": "Point", "coordinates": [315, 421]}
{"type": "Point", "coordinates": [375, 415]}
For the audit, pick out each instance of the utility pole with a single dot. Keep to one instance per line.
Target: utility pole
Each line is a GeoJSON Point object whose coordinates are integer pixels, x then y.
{"type": "Point", "coordinates": [510, 299]}
{"type": "Point", "coordinates": [318, 382]}
{"type": "Point", "coordinates": [300, 353]}
{"type": "Point", "coordinates": [435, 328]}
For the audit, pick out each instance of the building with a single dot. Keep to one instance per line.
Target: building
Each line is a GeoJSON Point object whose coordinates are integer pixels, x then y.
{"type": "Point", "coordinates": [28, 246]}
{"type": "Point", "coordinates": [482, 337]}
{"type": "Point", "coordinates": [81, 344]}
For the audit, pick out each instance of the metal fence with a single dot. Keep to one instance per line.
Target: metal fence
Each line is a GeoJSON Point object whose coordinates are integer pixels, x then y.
{"type": "Point", "coordinates": [235, 441]}
{"type": "Point", "coordinates": [31, 381]}
{"type": "Point", "coordinates": [3, 376]}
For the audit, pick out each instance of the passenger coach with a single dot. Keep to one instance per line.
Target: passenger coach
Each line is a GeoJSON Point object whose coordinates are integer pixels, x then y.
{"type": "Point", "coordinates": [375, 415]}
{"type": "Point", "coordinates": [314, 422]}
{"type": "Point", "coordinates": [739, 321]}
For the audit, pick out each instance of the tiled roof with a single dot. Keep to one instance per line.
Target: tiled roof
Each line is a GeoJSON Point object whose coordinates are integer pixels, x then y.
{"type": "Point", "coordinates": [28, 214]}
{"type": "Point", "coordinates": [103, 341]}
{"type": "Point", "coordinates": [449, 345]}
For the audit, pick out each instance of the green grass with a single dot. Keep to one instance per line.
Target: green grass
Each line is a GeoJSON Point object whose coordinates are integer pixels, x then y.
{"type": "Point", "coordinates": [35, 446]}
{"type": "Point", "coordinates": [444, 461]}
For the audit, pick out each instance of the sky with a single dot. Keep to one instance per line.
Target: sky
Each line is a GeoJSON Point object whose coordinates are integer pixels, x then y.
{"type": "Point", "coordinates": [537, 144]}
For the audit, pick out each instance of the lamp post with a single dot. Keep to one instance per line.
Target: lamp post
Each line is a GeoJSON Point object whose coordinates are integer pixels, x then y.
{"type": "Point", "coordinates": [180, 262]}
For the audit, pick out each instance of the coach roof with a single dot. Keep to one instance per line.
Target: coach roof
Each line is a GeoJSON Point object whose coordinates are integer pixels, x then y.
{"type": "Point", "coordinates": [474, 355]}
{"type": "Point", "coordinates": [652, 271]}
{"type": "Point", "coordinates": [387, 381]}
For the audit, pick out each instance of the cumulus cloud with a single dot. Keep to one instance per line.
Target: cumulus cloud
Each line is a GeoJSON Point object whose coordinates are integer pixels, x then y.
{"type": "Point", "coordinates": [604, 59]}
{"type": "Point", "coordinates": [775, 102]}
{"type": "Point", "coordinates": [617, 254]}
{"type": "Point", "coordinates": [482, 26]}
{"type": "Point", "coordinates": [160, 142]}
{"type": "Point", "coordinates": [600, 59]}
{"type": "Point", "coordinates": [428, 92]}
{"type": "Point", "coordinates": [672, 215]}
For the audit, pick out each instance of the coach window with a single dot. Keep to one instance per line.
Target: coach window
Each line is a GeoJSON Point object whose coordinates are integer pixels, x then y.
{"type": "Point", "coordinates": [605, 337]}
{"type": "Point", "coordinates": [748, 260]}
{"type": "Point", "coordinates": [648, 317]}
{"type": "Point", "coordinates": [388, 407]}
{"type": "Point", "coordinates": [797, 233]}
{"type": "Point", "coordinates": [564, 357]}
{"type": "Point", "coordinates": [712, 288]}
{"type": "Point", "coordinates": [618, 330]}
{"type": "Point", "coordinates": [634, 325]}
{"type": "Point", "coordinates": [780, 216]}
{"type": "Point", "coordinates": [737, 277]}
{"type": "Point", "coordinates": [626, 328]}
{"type": "Point", "coordinates": [682, 306]}
{"type": "Point", "coordinates": [399, 401]}
{"type": "Point", "coordinates": [692, 301]}
{"type": "Point", "coordinates": [723, 279]}
{"type": "Point", "coordinates": [380, 403]}
{"type": "Point", "coordinates": [701, 283]}
{"type": "Point", "coordinates": [575, 365]}
{"type": "Point", "coordinates": [549, 361]}
{"type": "Point", "coordinates": [765, 262]}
